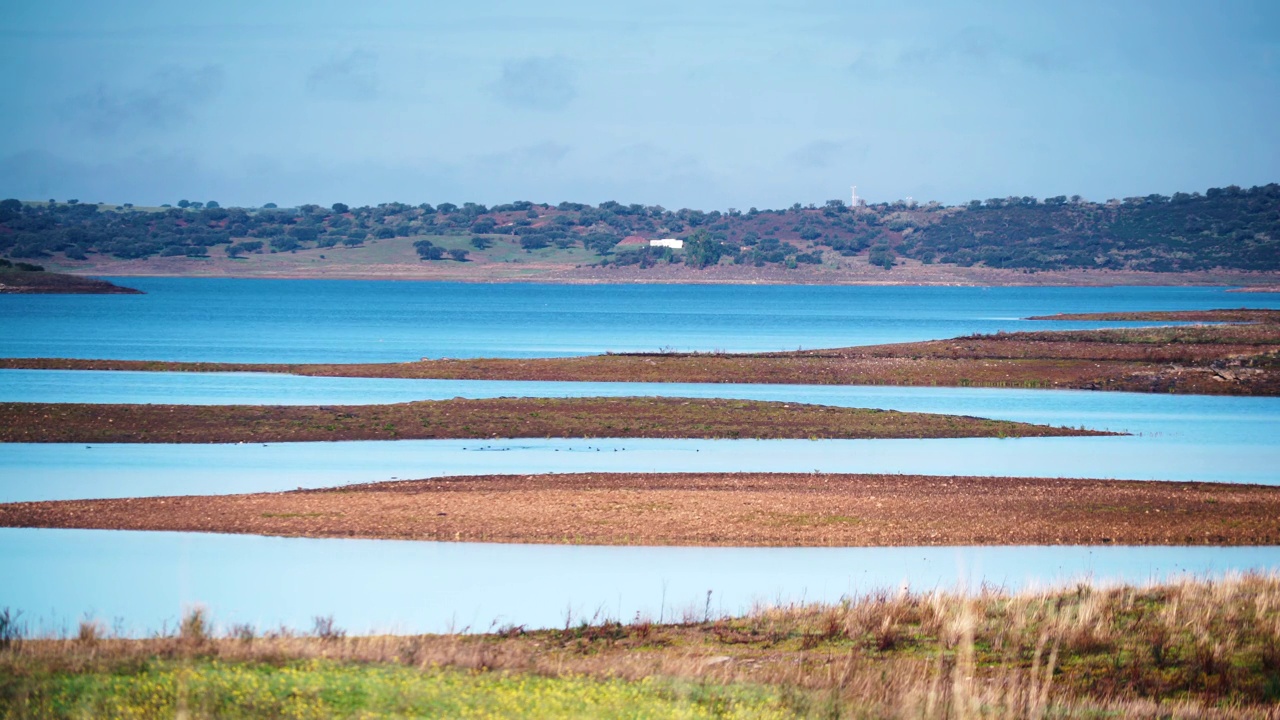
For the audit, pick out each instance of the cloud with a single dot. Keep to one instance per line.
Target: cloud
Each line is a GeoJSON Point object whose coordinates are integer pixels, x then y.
{"type": "Point", "coordinates": [970, 49]}
{"type": "Point", "coordinates": [169, 100]}
{"type": "Point", "coordinates": [152, 178]}
{"type": "Point", "coordinates": [821, 154]}
{"type": "Point", "coordinates": [538, 155]}
{"type": "Point", "coordinates": [536, 83]}
{"type": "Point", "coordinates": [350, 77]}
{"type": "Point", "coordinates": [817, 154]}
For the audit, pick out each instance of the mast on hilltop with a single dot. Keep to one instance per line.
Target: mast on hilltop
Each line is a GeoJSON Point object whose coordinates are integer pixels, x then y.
{"type": "Point", "coordinates": [855, 201]}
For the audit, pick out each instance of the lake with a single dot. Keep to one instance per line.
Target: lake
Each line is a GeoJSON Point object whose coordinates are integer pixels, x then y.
{"type": "Point", "coordinates": [144, 580]}
{"type": "Point", "coordinates": [370, 321]}
{"type": "Point", "coordinates": [139, 583]}
{"type": "Point", "coordinates": [1174, 437]}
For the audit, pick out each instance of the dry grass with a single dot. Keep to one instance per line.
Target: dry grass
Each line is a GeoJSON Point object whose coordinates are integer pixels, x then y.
{"type": "Point", "coordinates": [1179, 650]}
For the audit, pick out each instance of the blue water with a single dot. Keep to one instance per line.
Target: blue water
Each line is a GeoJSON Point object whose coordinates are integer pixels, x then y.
{"type": "Point", "coordinates": [366, 321]}
{"type": "Point", "coordinates": [1185, 417]}
{"type": "Point", "coordinates": [1173, 437]}
{"type": "Point", "coordinates": [139, 583]}
{"type": "Point", "coordinates": [60, 472]}
{"type": "Point", "coordinates": [144, 580]}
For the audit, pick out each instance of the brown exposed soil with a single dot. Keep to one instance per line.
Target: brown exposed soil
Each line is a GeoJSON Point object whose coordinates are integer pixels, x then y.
{"type": "Point", "coordinates": [1237, 315]}
{"type": "Point", "coordinates": [1231, 359]}
{"type": "Point", "coordinates": [736, 509]}
{"type": "Point", "coordinates": [489, 418]}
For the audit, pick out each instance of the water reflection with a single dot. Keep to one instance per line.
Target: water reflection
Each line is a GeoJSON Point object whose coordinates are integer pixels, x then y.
{"type": "Point", "coordinates": [142, 581]}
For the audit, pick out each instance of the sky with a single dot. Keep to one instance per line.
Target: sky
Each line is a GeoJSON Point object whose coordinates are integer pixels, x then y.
{"type": "Point", "coordinates": [700, 104]}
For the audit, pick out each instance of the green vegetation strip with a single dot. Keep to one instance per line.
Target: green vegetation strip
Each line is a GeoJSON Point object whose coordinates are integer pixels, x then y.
{"type": "Point", "coordinates": [489, 418]}
{"type": "Point", "coordinates": [327, 689]}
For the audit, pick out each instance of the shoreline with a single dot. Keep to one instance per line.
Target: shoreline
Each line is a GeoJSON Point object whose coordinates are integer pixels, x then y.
{"type": "Point", "coordinates": [306, 265]}
{"type": "Point", "coordinates": [711, 509]}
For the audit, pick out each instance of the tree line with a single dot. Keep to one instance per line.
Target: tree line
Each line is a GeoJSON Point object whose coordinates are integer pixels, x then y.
{"type": "Point", "coordinates": [1230, 228]}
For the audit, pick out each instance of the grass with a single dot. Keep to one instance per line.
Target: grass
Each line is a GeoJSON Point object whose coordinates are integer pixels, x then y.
{"type": "Point", "coordinates": [209, 688]}
{"type": "Point", "coordinates": [1183, 649]}
{"type": "Point", "coordinates": [383, 258]}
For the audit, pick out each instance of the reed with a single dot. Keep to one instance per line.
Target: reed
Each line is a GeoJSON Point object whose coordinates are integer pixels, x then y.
{"type": "Point", "coordinates": [1189, 648]}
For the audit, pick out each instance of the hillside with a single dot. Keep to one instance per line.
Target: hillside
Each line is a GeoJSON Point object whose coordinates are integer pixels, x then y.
{"type": "Point", "coordinates": [1225, 230]}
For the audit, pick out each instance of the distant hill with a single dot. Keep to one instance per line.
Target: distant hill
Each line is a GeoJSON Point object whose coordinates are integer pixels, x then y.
{"type": "Point", "coordinates": [1223, 229]}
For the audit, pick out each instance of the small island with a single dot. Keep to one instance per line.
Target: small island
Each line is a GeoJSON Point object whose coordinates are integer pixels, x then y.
{"type": "Point", "coordinates": [634, 417]}
{"type": "Point", "coordinates": [729, 509]}
{"type": "Point", "coordinates": [26, 278]}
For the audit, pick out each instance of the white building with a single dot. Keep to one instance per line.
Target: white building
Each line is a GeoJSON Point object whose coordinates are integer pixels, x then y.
{"type": "Point", "coordinates": [674, 243]}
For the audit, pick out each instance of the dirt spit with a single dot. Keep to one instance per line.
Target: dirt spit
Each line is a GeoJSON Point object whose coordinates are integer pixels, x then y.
{"type": "Point", "coordinates": [638, 417]}
{"type": "Point", "coordinates": [741, 509]}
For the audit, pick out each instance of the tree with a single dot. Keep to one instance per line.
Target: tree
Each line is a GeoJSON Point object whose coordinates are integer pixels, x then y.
{"type": "Point", "coordinates": [481, 243]}
{"type": "Point", "coordinates": [458, 254]}
{"type": "Point", "coordinates": [427, 250]}
{"type": "Point", "coordinates": [881, 255]}
{"type": "Point", "coordinates": [601, 243]}
{"type": "Point", "coordinates": [533, 242]}
{"type": "Point", "coordinates": [184, 204]}
{"type": "Point", "coordinates": [702, 250]}
{"type": "Point", "coordinates": [304, 233]}
{"type": "Point", "coordinates": [340, 208]}
{"type": "Point", "coordinates": [270, 206]}
{"type": "Point", "coordinates": [212, 204]}
{"type": "Point", "coordinates": [249, 246]}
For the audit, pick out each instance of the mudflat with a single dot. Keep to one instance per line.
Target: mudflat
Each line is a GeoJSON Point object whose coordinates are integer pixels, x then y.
{"type": "Point", "coordinates": [635, 417]}
{"type": "Point", "coordinates": [738, 509]}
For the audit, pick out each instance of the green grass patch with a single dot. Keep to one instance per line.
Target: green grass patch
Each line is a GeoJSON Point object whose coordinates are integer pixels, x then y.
{"type": "Point", "coordinates": [329, 689]}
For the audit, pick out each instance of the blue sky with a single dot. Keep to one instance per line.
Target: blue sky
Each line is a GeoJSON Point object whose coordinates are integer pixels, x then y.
{"type": "Point", "coordinates": [706, 105]}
